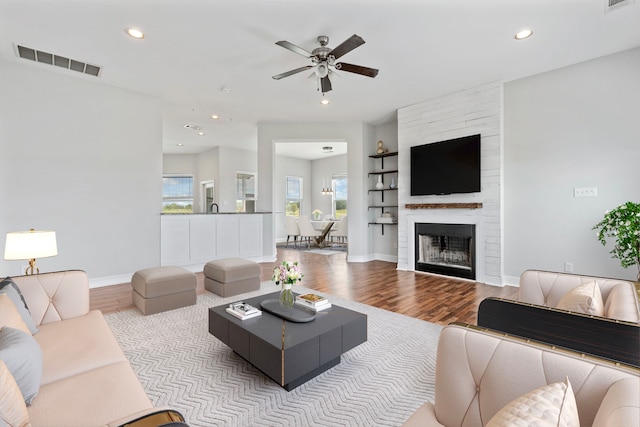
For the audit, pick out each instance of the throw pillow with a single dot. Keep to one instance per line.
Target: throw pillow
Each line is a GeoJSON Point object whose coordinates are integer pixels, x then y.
{"type": "Point", "coordinates": [23, 357]}
{"type": "Point", "coordinates": [8, 286]}
{"type": "Point", "coordinates": [9, 315]}
{"type": "Point", "coordinates": [550, 405]}
{"type": "Point", "coordinates": [13, 411]}
{"type": "Point", "coordinates": [585, 299]}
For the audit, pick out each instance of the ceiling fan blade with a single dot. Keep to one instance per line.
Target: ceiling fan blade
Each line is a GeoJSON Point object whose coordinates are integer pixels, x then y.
{"type": "Point", "coordinates": [291, 72]}
{"type": "Point", "coordinates": [358, 69]}
{"type": "Point", "coordinates": [325, 84]}
{"type": "Point", "coordinates": [347, 46]}
{"type": "Point", "coordinates": [293, 48]}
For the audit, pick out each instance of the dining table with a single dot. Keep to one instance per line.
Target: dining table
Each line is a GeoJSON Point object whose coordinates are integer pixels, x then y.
{"type": "Point", "coordinates": [324, 226]}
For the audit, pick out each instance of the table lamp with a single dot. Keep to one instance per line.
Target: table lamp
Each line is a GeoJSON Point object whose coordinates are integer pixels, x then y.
{"type": "Point", "coordinates": [30, 245]}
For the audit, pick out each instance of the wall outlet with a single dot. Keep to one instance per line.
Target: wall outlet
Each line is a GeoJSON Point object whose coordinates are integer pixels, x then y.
{"type": "Point", "coordinates": [568, 267]}
{"type": "Point", "coordinates": [585, 192]}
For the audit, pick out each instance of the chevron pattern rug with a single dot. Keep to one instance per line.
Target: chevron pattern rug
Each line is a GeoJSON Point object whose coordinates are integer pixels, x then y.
{"type": "Point", "coordinates": [180, 365]}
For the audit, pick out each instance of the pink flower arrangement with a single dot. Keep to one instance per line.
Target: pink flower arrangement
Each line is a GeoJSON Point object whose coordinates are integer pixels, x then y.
{"type": "Point", "coordinates": [287, 273]}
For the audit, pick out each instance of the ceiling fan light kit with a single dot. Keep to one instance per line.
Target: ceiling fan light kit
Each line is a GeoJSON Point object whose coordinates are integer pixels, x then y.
{"type": "Point", "coordinates": [323, 60]}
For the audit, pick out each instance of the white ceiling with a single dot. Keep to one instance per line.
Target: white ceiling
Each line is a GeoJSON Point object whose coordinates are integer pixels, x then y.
{"type": "Point", "coordinates": [195, 48]}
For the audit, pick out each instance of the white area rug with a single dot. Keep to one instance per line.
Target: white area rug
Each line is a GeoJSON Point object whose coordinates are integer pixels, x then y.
{"type": "Point", "coordinates": [180, 365]}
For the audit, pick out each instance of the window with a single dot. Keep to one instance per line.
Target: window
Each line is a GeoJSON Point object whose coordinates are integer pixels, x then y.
{"type": "Point", "coordinates": [339, 183]}
{"type": "Point", "coordinates": [245, 191]}
{"type": "Point", "coordinates": [293, 195]}
{"type": "Point", "coordinates": [177, 194]}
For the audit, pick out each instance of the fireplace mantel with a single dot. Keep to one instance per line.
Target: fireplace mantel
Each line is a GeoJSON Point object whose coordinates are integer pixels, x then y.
{"type": "Point", "coordinates": [443, 205]}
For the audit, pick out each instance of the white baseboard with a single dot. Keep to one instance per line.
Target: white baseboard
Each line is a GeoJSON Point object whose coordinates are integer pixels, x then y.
{"type": "Point", "coordinates": [511, 280]}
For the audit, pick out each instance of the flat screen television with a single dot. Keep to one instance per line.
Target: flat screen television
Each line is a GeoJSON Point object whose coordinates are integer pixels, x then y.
{"type": "Point", "coordinates": [446, 167]}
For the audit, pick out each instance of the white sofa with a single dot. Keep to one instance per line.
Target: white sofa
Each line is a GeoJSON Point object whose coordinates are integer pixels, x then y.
{"type": "Point", "coordinates": [547, 288]}
{"type": "Point", "coordinates": [478, 372]}
{"type": "Point", "coordinates": [86, 378]}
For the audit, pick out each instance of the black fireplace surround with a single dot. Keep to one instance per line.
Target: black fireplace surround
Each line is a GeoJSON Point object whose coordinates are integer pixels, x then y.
{"type": "Point", "coordinates": [447, 249]}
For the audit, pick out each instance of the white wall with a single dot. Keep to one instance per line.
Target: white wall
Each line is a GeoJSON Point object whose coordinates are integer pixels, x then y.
{"type": "Point", "coordinates": [468, 112]}
{"type": "Point", "coordinates": [578, 126]}
{"type": "Point", "coordinates": [83, 159]}
{"type": "Point", "coordinates": [231, 161]}
{"type": "Point", "coordinates": [289, 166]}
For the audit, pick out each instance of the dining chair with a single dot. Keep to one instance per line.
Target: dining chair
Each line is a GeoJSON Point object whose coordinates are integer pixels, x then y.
{"type": "Point", "coordinates": [292, 229]}
{"type": "Point", "coordinates": [306, 229]}
{"type": "Point", "coordinates": [341, 230]}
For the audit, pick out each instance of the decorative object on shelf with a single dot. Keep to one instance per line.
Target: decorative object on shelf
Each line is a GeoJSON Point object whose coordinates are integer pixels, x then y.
{"type": "Point", "coordinates": [623, 223]}
{"type": "Point", "coordinates": [380, 149]}
{"type": "Point", "coordinates": [317, 214]}
{"type": "Point", "coordinates": [393, 185]}
{"type": "Point", "coordinates": [30, 245]}
{"type": "Point", "coordinates": [387, 218]}
{"type": "Point", "coordinates": [380, 184]}
{"type": "Point", "coordinates": [287, 274]}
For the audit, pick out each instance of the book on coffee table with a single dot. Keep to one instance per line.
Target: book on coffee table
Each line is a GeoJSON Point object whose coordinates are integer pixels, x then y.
{"type": "Point", "coordinates": [312, 300]}
{"type": "Point", "coordinates": [309, 307]}
{"type": "Point", "coordinates": [242, 310]}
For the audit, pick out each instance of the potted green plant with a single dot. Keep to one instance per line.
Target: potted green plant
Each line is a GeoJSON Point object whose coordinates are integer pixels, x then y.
{"type": "Point", "coordinates": [623, 224]}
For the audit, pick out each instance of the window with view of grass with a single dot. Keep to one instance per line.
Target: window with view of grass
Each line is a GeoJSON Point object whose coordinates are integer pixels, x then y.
{"type": "Point", "coordinates": [177, 194]}
{"type": "Point", "coordinates": [293, 195]}
{"type": "Point", "coordinates": [339, 183]}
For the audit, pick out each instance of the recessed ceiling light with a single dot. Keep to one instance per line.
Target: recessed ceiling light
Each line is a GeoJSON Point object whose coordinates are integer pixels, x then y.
{"type": "Point", "coordinates": [521, 35]}
{"type": "Point", "coordinates": [325, 102]}
{"type": "Point", "coordinates": [180, 145]}
{"type": "Point", "coordinates": [215, 116]}
{"type": "Point", "coordinates": [136, 34]}
{"type": "Point", "coordinates": [201, 133]}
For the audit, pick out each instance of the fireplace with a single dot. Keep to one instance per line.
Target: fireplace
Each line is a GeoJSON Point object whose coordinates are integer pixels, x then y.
{"type": "Point", "coordinates": [447, 249]}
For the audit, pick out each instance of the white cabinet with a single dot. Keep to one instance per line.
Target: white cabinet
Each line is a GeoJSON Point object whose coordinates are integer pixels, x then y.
{"type": "Point", "coordinates": [174, 241]}
{"type": "Point", "coordinates": [228, 227]}
{"type": "Point", "coordinates": [202, 238]}
{"type": "Point", "coordinates": [196, 239]}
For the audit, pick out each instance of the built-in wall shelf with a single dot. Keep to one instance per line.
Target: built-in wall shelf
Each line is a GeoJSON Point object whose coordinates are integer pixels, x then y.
{"type": "Point", "coordinates": [382, 156]}
{"type": "Point", "coordinates": [443, 205]}
{"type": "Point", "coordinates": [382, 172]}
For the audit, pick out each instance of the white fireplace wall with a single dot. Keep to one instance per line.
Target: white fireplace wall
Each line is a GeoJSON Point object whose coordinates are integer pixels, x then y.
{"type": "Point", "coordinates": [468, 112]}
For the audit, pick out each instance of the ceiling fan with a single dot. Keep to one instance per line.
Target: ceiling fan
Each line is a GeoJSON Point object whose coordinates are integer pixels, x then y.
{"type": "Point", "coordinates": [323, 60]}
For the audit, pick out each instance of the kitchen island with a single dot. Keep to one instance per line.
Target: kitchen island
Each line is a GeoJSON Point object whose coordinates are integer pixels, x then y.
{"type": "Point", "coordinates": [195, 239]}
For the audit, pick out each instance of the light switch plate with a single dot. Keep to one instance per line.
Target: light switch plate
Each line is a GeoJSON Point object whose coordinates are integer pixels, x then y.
{"type": "Point", "coordinates": [585, 192]}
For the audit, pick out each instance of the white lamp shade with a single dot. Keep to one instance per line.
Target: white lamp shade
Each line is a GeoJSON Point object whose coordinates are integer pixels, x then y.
{"type": "Point", "coordinates": [30, 244]}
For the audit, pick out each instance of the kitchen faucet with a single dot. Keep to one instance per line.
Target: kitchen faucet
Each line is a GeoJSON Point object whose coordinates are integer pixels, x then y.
{"type": "Point", "coordinates": [217, 207]}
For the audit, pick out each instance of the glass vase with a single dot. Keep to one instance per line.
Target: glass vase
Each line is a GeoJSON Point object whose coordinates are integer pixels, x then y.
{"type": "Point", "coordinates": [286, 296]}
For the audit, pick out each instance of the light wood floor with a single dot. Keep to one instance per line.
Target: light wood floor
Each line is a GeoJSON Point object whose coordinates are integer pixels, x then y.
{"type": "Point", "coordinates": [433, 298]}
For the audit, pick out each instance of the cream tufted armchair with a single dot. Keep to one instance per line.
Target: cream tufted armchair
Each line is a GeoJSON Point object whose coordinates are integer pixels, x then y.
{"type": "Point", "coordinates": [478, 372]}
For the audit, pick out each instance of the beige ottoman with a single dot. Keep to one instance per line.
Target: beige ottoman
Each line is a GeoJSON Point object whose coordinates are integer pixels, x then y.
{"type": "Point", "coordinates": [231, 276]}
{"type": "Point", "coordinates": [163, 288]}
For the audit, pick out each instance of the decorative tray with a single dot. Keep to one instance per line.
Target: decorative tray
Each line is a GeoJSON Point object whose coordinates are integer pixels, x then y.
{"type": "Point", "coordinates": [293, 314]}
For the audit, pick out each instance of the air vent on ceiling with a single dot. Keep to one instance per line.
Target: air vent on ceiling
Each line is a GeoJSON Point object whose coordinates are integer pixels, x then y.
{"type": "Point", "coordinates": [58, 61]}
{"type": "Point", "coordinates": [610, 5]}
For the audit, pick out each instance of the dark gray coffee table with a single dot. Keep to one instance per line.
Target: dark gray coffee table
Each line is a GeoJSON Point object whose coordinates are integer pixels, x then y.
{"type": "Point", "coordinates": [290, 353]}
